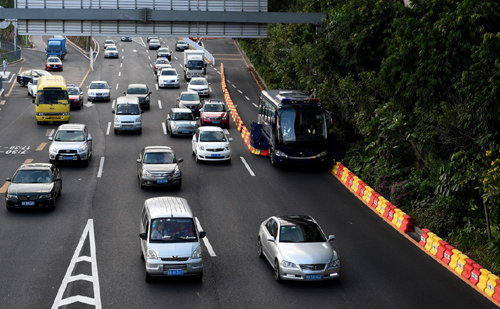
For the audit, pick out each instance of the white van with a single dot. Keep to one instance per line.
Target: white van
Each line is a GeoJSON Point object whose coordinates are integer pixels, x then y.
{"type": "Point", "coordinates": [170, 239]}
{"type": "Point", "coordinates": [128, 115]}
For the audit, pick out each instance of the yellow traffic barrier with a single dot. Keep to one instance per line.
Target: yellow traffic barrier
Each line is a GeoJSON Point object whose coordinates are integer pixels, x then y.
{"type": "Point", "coordinates": [430, 240]}
{"type": "Point", "coordinates": [461, 263]}
{"type": "Point", "coordinates": [345, 175]}
{"type": "Point", "coordinates": [454, 258]}
{"type": "Point", "coordinates": [483, 279]}
{"type": "Point", "coordinates": [382, 204]}
{"type": "Point", "coordinates": [399, 220]}
{"type": "Point", "coordinates": [435, 245]}
{"type": "Point", "coordinates": [368, 194]}
{"type": "Point", "coordinates": [397, 213]}
{"type": "Point", "coordinates": [355, 183]}
{"type": "Point", "coordinates": [335, 168]}
{"type": "Point", "coordinates": [491, 284]}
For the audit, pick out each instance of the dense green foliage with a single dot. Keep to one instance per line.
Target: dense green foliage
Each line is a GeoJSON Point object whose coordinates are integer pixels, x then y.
{"type": "Point", "coordinates": [414, 93]}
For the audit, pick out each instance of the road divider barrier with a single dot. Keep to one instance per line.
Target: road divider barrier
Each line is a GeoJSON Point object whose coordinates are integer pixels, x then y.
{"type": "Point", "coordinates": [465, 267]}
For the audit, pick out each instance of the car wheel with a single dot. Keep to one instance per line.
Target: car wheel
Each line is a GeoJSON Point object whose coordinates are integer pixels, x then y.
{"type": "Point", "coordinates": [259, 248]}
{"type": "Point", "coordinates": [116, 131]}
{"type": "Point", "coordinates": [86, 162]}
{"type": "Point", "coordinates": [199, 277]}
{"type": "Point", "coordinates": [149, 278]}
{"type": "Point", "coordinates": [277, 271]}
{"type": "Point", "coordinates": [53, 206]}
{"type": "Point", "coordinates": [60, 191]}
{"type": "Point", "coordinates": [139, 132]}
{"type": "Point", "coordinates": [179, 186]}
{"type": "Point", "coordinates": [140, 184]}
{"type": "Point", "coordinates": [38, 122]}
{"type": "Point", "coordinates": [171, 133]}
{"type": "Point", "coordinates": [22, 83]}
{"type": "Point", "coordinates": [196, 158]}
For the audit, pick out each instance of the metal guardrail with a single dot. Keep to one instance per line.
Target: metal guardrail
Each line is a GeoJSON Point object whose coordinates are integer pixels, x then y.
{"type": "Point", "coordinates": [11, 55]}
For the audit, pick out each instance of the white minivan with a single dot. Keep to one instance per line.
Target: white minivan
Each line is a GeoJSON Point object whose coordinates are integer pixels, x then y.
{"type": "Point", "coordinates": [128, 115]}
{"type": "Point", "coordinates": [170, 239]}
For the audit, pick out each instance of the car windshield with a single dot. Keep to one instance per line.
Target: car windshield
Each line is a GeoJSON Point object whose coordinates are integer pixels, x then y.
{"type": "Point", "coordinates": [182, 116]}
{"type": "Point", "coordinates": [139, 90]}
{"type": "Point", "coordinates": [190, 97]}
{"type": "Point", "coordinates": [69, 136]}
{"type": "Point", "coordinates": [154, 42]}
{"type": "Point", "coordinates": [73, 91]}
{"type": "Point", "coordinates": [173, 230]}
{"type": "Point", "coordinates": [163, 50]}
{"type": "Point", "coordinates": [41, 73]}
{"type": "Point", "coordinates": [32, 176]}
{"type": "Point", "coordinates": [127, 109]}
{"type": "Point", "coordinates": [181, 43]}
{"type": "Point", "coordinates": [302, 124]}
{"type": "Point", "coordinates": [111, 48]}
{"type": "Point", "coordinates": [301, 233]}
{"type": "Point", "coordinates": [162, 61]}
{"type": "Point", "coordinates": [159, 158]}
{"type": "Point", "coordinates": [198, 82]}
{"type": "Point", "coordinates": [212, 136]}
{"type": "Point", "coordinates": [53, 60]}
{"type": "Point", "coordinates": [98, 86]}
{"type": "Point", "coordinates": [214, 108]}
{"type": "Point", "coordinates": [168, 72]}
{"type": "Point", "coordinates": [109, 42]}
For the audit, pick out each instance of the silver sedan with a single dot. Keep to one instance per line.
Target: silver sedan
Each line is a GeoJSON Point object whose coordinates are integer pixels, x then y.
{"type": "Point", "coordinates": [297, 249]}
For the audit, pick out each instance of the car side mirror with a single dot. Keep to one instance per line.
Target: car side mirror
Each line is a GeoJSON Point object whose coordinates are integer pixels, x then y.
{"type": "Point", "coordinates": [180, 160]}
{"type": "Point", "coordinates": [81, 93]}
{"type": "Point", "coordinates": [33, 101]}
{"type": "Point", "coordinates": [203, 234]}
{"type": "Point", "coordinates": [8, 179]}
{"type": "Point", "coordinates": [150, 93]}
{"type": "Point", "coordinates": [57, 179]}
{"type": "Point", "coordinates": [209, 83]}
{"type": "Point", "coordinates": [138, 160]}
{"type": "Point", "coordinates": [230, 139]}
{"type": "Point", "coordinates": [197, 118]}
{"type": "Point", "coordinates": [90, 138]}
{"type": "Point", "coordinates": [331, 237]}
{"type": "Point", "coordinates": [270, 238]}
{"type": "Point", "coordinates": [113, 112]}
{"type": "Point", "coordinates": [142, 112]}
{"type": "Point", "coordinates": [109, 87]}
{"type": "Point", "coordinates": [51, 138]}
{"type": "Point", "coordinates": [168, 117]}
{"type": "Point", "coordinates": [142, 236]}
{"type": "Point", "coordinates": [124, 92]}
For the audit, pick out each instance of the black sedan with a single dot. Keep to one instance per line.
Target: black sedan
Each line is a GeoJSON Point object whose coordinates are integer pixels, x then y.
{"type": "Point", "coordinates": [126, 39]}
{"type": "Point", "coordinates": [25, 77]}
{"type": "Point", "coordinates": [35, 186]}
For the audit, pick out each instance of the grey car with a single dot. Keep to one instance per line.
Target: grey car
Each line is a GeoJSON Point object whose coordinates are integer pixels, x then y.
{"type": "Point", "coordinates": [297, 249]}
{"type": "Point", "coordinates": [191, 100]}
{"type": "Point", "coordinates": [71, 142]}
{"type": "Point", "coordinates": [158, 166]}
{"type": "Point", "coordinates": [181, 121]}
{"type": "Point", "coordinates": [141, 91]}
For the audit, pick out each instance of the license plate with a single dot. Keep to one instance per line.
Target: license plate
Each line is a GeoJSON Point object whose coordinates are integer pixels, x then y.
{"type": "Point", "coordinates": [185, 131]}
{"type": "Point", "coordinates": [162, 181]}
{"type": "Point", "coordinates": [192, 109]}
{"type": "Point", "coordinates": [200, 92]}
{"type": "Point", "coordinates": [313, 277]}
{"type": "Point", "coordinates": [52, 117]}
{"type": "Point", "coordinates": [215, 122]}
{"type": "Point", "coordinates": [28, 203]}
{"type": "Point", "coordinates": [127, 128]}
{"type": "Point", "coordinates": [175, 272]}
{"type": "Point", "coordinates": [67, 157]}
{"type": "Point", "coordinates": [216, 155]}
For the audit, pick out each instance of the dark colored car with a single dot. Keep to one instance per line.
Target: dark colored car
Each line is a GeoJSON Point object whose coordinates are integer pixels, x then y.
{"type": "Point", "coordinates": [191, 100]}
{"type": "Point", "coordinates": [158, 166]}
{"type": "Point", "coordinates": [75, 96]}
{"type": "Point", "coordinates": [154, 44]}
{"type": "Point", "coordinates": [35, 186]}
{"type": "Point", "coordinates": [126, 39]}
{"type": "Point", "coordinates": [164, 52]}
{"type": "Point", "coordinates": [181, 45]}
{"type": "Point", "coordinates": [25, 77]}
{"type": "Point", "coordinates": [141, 91]}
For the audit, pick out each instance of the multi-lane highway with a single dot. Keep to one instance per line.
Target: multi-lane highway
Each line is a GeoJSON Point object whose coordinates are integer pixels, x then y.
{"type": "Point", "coordinates": [38, 264]}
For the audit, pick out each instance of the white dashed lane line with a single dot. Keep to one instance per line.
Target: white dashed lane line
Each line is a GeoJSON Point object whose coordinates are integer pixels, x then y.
{"type": "Point", "coordinates": [116, 86]}
{"type": "Point", "coordinates": [149, 57]}
{"type": "Point", "coordinates": [159, 104]}
{"type": "Point", "coordinates": [164, 128]}
{"type": "Point", "coordinates": [156, 87]}
{"type": "Point", "coordinates": [121, 64]}
{"type": "Point", "coordinates": [233, 85]}
{"type": "Point", "coordinates": [247, 98]}
{"type": "Point", "coordinates": [101, 166]}
{"type": "Point", "coordinates": [239, 91]}
{"type": "Point", "coordinates": [113, 105]}
{"type": "Point", "coordinates": [205, 239]}
{"type": "Point", "coordinates": [109, 128]}
{"type": "Point", "coordinates": [255, 105]}
{"type": "Point", "coordinates": [228, 81]}
{"type": "Point", "coordinates": [247, 166]}
{"type": "Point", "coordinates": [119, 73]}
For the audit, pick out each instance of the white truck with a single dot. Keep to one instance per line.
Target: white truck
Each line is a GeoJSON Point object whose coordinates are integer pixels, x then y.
{"type": "Point", "coordinates": [194, 64]}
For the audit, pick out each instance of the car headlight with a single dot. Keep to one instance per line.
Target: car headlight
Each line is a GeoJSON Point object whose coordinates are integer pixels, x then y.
{"type": "Point", "coordinates": [152, 255]}
{"type": "Point", "coordinates": [146, 98]}
{"type": "Point", "coordinates": [224, 117]}
{"type": "Point", "coordinates": [146, 173]}
{"type": "Point", "coordinates": [40, 114]}
{"type": "Point", "coordinates": [173, 126]}
{"type": "Point", "coordinates": [12, 196]}
{"type": "Point", "coordinates": [280, 154]}
{"type": "Point", "coordinates": [227, 147]}
{"type": "Point", "coordinates": [117, 119]}
{"type": "Point", "coordinates": [196, 253]}
{"type": "Point", "coordinates": [138, 119]}
{"type": "Point", "coordinates": [206, 118]}
{"type": "Point", "coordinates": [65, 114]}
{"type": "Point", "coordinates": [287, 264]}
{"type": "Point", "coordinates": [92, 93]}
{"type": "Point", "coordinates": [82, 148]}
{"type": "Point", "coordinates": [334, 263]}
{"type": "Point", "coordinates": [45, 196]}
{"type": "Point", "coordinates": [202, 147]}
{"type": "Point", "coordinates": [53, 149]}
{"type": "Point", "coordinates": [323, 153]}
{"type": "Point", "coordinates": [177, 171]}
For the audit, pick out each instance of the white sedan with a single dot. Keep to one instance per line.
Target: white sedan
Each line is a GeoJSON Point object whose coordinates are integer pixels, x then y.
{"type": "Point", "coordinates": [199, 85]}
{"type": "Point", "coordinates": [33, 86]}
{"type": "Point", "coordinates": [211, 144]}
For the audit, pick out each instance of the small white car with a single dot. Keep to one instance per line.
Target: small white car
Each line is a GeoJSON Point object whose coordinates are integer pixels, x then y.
{"type": "Point", "coordinates": [211, 144]}
{"type": "Point", "coordinates": [33, 86]}
{"type": "Point", "coordinates": [98, 90]}
{"type": "Point", "coordinates": [199, 85]}
{"type": "Point", "coordinates": [168, 77]}
{"type": "Point", "coordinates": [71, 143]}
{"type": "Point", "coordinates": [111, 52]}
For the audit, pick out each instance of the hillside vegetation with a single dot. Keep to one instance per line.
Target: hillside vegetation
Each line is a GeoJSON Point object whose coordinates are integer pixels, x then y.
{"type": "Point", "coordinates": [415, 96]}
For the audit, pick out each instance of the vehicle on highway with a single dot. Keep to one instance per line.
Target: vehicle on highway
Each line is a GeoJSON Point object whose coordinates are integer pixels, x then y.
{"type": "Point", "coordinates": [141, 91]}
{"type": "Point", "coordinates": [161, 63]}
{"type": "Point", "coordinates": [34, 185]}
{"type": "Point", "coordinates": [108, 42]}
{"type": "Point", "coordinates": [170, 239]}
{"type": "Point", "coordinates": [24, 77]}
{"type": "Point", "coordinates": [56, 47]}
{"type": "Point", "coordinates": [180, 121]}
{"type": "Point", "coordinates": [191, 100]}
{"type": "Point", "coordinates": [52, 100]}
{"type": "Point", "coordinates": [75, 96]}
{"type": "Point", "coordinates": [53, 64]}
{"type": "Point", "coordinates": [98, 90]}
{"type": "Point", "coordinates": [214, 113]}
{"type": "Point", "coordinates": [111, 52]}
{"type": "Point", "coordinates": [199, 85]}
{"type": "Point", "coordinates": [194, 64]}
{"type": "Point", "coordinates": [152, 38]}
{"type": "Point", "coordinates": [296, 127]}
{"type": "Point", "coordinates": [71, 143]}
{"type": "Point", "coordinates": [158, 166]}
{"type": "Point", "coordinates": [33, 86]}
{"type": "Point", "coordinates": [164, 52]}
{"type": "Point", "coordinates": [297, 249]}
{"type": "Point", "coordinates": [154, 44]}
{"type": "Point", "coordinates": [126, 39]}
{"type": "Point", "coordinates": [181, 45]}
{"type": "Point", "coordinates": [127, 115]}
{"type": "Point", "coordinates": [168, 77]}
{"type": "Point", "coordinates": [211, 144]}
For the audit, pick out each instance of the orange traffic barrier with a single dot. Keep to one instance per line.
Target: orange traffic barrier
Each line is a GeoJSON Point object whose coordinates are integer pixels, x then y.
{"type": "Point", "coordinates": [392, 211]}
{"type": "Point", "coordinates": [491, 284]}
{"type": "Point", "coordinates": [388, 207]}
{"type": "Point", "coordinates": [441, 249]}
{"type": "Point", "coordinates": [475, 273]}
{"type": "Point", "coordinates": [350, 179]}
{"type": "Point", "coordinates": [448, 253]}
{"type": "Point", "coordinates": [483, 279]}
{"type": "Point", "coordinates": [406, 225]}
{"type": "Point", "coordinates": [468, 268]}
{"type": "Point", "coordinates": [361, 188]}
{"type": "Point", "coordinates": [335, 168]}
{"type": "Point", "coordinates": [454, 258]}
{"type": "Point", "coordinates": [423, 237]}
{"type": "Point", "coordinates": [374, 199]}
{"type": "Point", "coordinates": [496, 296]}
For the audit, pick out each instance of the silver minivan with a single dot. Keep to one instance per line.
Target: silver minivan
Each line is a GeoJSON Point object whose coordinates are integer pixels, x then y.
{"type": "Point", "coordinates": [170, 239]}
{"type": "Point", "coordinates": [128, 115]}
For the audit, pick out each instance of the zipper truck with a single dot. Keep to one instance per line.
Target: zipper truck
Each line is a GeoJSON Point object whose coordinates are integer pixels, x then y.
{"type": "Point", "coordinates": [56, 47]}
{"type": "Point", "coordinates": [194, 64]}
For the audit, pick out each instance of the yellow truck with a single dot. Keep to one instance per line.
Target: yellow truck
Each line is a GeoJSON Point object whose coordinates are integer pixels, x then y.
{"type": "Point", "coordinates": [52, 100]}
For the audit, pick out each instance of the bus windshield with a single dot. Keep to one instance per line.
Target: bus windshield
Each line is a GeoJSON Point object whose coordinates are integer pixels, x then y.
{"type": "Point", "coordinates": [301, 124]}
{"type": "Point", "coordinates": [52, 96]}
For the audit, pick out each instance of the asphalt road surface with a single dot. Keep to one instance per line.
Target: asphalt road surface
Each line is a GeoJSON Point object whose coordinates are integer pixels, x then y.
{"type": "Point", "coordinates": [87, 249]}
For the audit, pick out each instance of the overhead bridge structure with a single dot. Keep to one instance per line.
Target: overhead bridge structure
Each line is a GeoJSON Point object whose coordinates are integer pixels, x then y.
{"type": "Point", "coordinates": [166, 18]}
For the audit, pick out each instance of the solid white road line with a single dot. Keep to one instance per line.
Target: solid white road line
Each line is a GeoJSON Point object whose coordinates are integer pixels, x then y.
{"type": "Point", "coordinates": [113, 105]}
{"type": "Point", "coordinates": [247, 166]}
{"type": "Point", "coordinates": [205, 239]}
{"type": "Point", "coordinates": [159, 104]}
{"type": "Point", "coordinates": [247, 98]}
{"type": "Point", "coordinates": [255, 105]}
{"type": "Point", "coordinates": [116, 86]}
{"type": "Point", "coordinates": [215, 69]}
{"type": "Point", "coordinates": [156, 87]}
{"type": "Point", "coordinates": [13, 75]}
{"type": "Point", "coordinates": [109, 128]}
{"type": "Point", "coordinates": [101, 166]}
{"type": "Point", "coordinates": [164, 128]}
